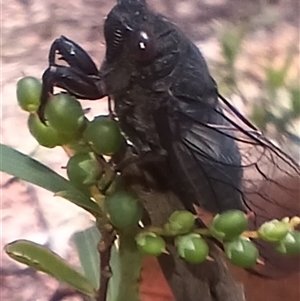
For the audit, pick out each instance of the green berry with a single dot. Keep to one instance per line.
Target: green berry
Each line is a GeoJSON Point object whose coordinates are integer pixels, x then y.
{"type": "Point", "coordinates": [241, 252]}
{"type": "Point", "coordinates": [290, 244]}
{"type": "Point", "coordinates": [64, 113]}
{"type": "Point", "coordinates": [192, 248]}
{"type": "Point", "coordinates": [104, 135]}
{"type": "Point", "coordinates": [45, 135]}
{"type": "Point", "coordinates": [180, 222]}
{"type": "Point", "coordinates": [28, 93]}
{"type": "Point", "coordinates": [228, 225]}
{"type": "Point", "coordinates": [273, 231]}
{"type": "Point", "coordinates": [149, 243]}
{"type": "Point", "coordinates": [123, 209]}
{"type": "Point", "coordinates": [83, 169]}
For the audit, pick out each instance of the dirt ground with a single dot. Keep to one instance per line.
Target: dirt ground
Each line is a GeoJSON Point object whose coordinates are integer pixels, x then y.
{"type": "Point", "coordinates": [28, 28]}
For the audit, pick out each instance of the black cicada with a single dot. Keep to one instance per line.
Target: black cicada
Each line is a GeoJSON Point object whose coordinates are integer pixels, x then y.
{"type": "Point", "coordinates": [169, 106]}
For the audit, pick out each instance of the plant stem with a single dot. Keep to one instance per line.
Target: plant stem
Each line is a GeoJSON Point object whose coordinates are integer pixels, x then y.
{"type": "Point", "coordinates": [130, 268]}
{"type": "Point", "coordinates": [105, 245]}
{"type": "Point", "coordinates": [250, 234]}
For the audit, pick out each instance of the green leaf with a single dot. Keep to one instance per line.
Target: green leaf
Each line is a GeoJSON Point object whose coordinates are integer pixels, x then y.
{"type": "Point", "coordinates": [24, 167]}
{"type": "Point", "coordinates": [86, 244]}
{"type": "Point", "coordinates": [44, 260]}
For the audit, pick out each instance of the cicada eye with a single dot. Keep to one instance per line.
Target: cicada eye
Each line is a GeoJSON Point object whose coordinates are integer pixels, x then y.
{"type": "Point", "coordinates": [143, 45]}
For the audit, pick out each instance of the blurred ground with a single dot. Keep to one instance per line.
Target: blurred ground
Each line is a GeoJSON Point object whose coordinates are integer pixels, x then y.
{"type": "Point", "coordinates": [29, 27]}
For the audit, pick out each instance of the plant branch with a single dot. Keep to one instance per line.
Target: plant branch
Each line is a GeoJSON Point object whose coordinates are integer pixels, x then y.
{"type": "Point", "coordinates": [104, 247]}
{"type": "Point", "coordinates": [130, 268]}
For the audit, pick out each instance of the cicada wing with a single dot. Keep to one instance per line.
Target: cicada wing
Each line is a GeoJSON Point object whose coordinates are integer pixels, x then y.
{"type": "Point", "coordinates": [205, 162]}
{"type": "Point", "coordinates": [220, 161]}
{"type": "Point", "coordinates": [271, 187]}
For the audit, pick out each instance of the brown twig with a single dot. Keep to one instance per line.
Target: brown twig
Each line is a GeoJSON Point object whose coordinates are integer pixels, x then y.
{"type": "Point", "coordinates": [107, 239]}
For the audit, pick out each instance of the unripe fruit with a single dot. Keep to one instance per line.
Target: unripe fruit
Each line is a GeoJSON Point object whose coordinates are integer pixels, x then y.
{"type": "Point", "coordinates": [123, 209]}
{"type": "Point", "coordinates": [64, 113]}
{"type": "Point", "coordinates": [241, 252]}
{"type": "Point", "coordinates": [45, 135]}
{"type": "Point", "coordinates": [104, 135]}
{"type": "Point", "coordinates": [290, 244]}
{"type": "Point", "coordinates": [273, 231]}
{"type": "Point", "coordinates": [83, 169]}
{"type": "Point", "coordinates": [149, 243]}
{"type": "Point", "coordinates": [180, 222]}
{"type": "Point", "coordinates": [192, 248]}
{"type": "Point", "coordinates": [28, 93]}
{"type": "Point", "coordinates": [228, 225]}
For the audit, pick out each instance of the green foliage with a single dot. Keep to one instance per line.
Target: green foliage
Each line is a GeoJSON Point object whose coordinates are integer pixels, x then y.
{"type": "Point", "coordinates": [231, 42]}
{"type": "Point", "coordinates": [295, 100]}
{"type": "Point", "coordinates": [86, 245]}
{"type": "Point", "coordinates": [26, 168]}
{"type": "Point", "coordinates": [278, 104]}
{"type": "Point", "coordinates": [44, 260]}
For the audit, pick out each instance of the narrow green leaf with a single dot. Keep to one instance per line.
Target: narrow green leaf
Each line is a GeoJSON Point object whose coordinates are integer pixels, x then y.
{"type": "Point", "coordinates": [30, 170]}
{"type": "Point", "coordinates": [44, 260]}
{"type": "Point", "coordinates": [86, 244]}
